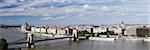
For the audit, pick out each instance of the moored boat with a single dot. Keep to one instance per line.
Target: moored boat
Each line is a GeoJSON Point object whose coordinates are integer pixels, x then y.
{"type": "Point", "coordinates": [147, 39]}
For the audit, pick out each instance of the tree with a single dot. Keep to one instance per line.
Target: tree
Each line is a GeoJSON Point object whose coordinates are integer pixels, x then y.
{"type": "Point", "coordinates": [3, 44]}
{"type": "Point", "coordinates": [82, 33]}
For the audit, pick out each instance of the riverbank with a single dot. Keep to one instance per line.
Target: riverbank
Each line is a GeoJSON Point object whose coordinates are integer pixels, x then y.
{"type": "Point", "coordinates": [127, 38]}
{"type": "Point", "coordinates": [101, 38]}
{"type": "Point", "coordinates": [114, 39]}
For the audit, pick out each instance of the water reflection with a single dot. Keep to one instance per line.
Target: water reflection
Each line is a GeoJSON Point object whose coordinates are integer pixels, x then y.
{"type": "Point", "coordinates": [97, 45]}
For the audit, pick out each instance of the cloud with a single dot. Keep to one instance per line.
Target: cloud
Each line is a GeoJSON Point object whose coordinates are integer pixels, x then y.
{"type": "Point", "coordinates": [86, 6]}
{"type": "Point", "coordinates": [71, 10]}
{"type": "Point", "coordinates": [54, 18]}
{"type": "Point", "coordinates": [46, 18]}
{"type": "Point", "coordinates": [96, 7]}
{"type": "Point", "coordinates": [143, 14]}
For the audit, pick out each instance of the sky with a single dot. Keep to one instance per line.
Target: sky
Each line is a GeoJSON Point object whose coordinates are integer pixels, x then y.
{"type": "Point", "coordinates": [74, 11]}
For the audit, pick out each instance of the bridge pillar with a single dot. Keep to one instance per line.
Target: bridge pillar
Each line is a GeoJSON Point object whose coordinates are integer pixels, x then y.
{"type": "Point", "coordinates": [75, 36]}
{"type": "Point", "coordinates": [87, 36]}
{"type": "Point", "coordinates": [30, 43]}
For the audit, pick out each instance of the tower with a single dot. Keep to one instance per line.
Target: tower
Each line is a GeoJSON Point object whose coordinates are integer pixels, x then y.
{"type": "Point", "coordinates": [122, 27]}
{"type": "Point", "coordinates": [122, 24]}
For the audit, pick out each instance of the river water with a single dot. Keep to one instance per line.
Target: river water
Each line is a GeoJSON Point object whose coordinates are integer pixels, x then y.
{"type": "Point", "coordinates": [65, 44]}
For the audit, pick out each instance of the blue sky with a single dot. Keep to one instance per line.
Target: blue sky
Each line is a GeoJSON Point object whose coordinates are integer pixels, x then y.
{"type": "Point", "coordinates": [74, 11]}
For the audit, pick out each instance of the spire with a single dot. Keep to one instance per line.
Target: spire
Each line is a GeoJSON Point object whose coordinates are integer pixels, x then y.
{"type": "Point", "coordinates": [26, 24]}
{"type": "Point", "coordinates": [122, 22]}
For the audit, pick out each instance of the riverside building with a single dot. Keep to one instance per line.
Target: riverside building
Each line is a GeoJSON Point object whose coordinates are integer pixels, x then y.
{"type": "Point", "coordinates": [143, 32]}
{"type": "Point", "coordinates": [130, 31]}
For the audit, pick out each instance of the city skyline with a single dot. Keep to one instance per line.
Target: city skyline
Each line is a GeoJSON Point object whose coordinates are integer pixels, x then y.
{"type": "Point", "coordinates": [74, 11]}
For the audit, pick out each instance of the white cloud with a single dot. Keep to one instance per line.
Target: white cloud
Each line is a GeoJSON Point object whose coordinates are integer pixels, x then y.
{"type": "Point", "coordinates": [86, 6]}
{"type": "Point", "coordinates": [59, 1]}
{"type": "Point", "coordinates": [11, 1]}
{"type": "Point", "coordinates": [53, 18]}
{"type": "Point", "coordinates": [95, 9]}
{"type": "Point", "coordinates": [46, 18]}
{"type": "Point", "coordinates": [143, 14]}
{"type": "Point", "coordinates": [105, 8]}
{"type": "Point", "coordinates": [62, 17]}
{"type": "Point", "coordinates": [70, 10]}
{"type": "Point", "coordinates": [20, 9]}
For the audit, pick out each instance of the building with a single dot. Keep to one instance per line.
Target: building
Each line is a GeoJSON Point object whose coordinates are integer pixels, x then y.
{"type": "Point", "coordinates": [51, 31]}
{"type": "Point", "coordinates": [130, 31]}
{"type": "Point", "coordinates": [26, 27]}
{"type": "Point", "coordinates": [87, 29]}
{"type": "Point", "coordinates": [43, 30]}
{"type": "Point", "coordinates": [74, 32]}
{"type": "Point", "coordinates": [117, 30]}
{"type": "Point", "coordinates": [33, 29]}
{"type": "Point", "coordinates": [69, 30]}
{"type": "Point", "coordinates": [103, 29]}
{"type": "Point", "coordinates": [37, 29]}
{"type": "Point", "coordinates": [61, 31]}
{"type": "Point", "coordinates": [142, 32]}
{"type": "Point", "coordinates": [97, 30]}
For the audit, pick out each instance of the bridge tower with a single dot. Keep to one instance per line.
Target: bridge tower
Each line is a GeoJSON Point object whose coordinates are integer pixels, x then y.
{"type": "Point", "coordinates": [30, 43]}
{"type": "Point", "coordinates": [75, 35]}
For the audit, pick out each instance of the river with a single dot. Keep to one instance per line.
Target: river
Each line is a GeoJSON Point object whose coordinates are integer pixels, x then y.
{"type": "Point", "coordinates": [14, 34]}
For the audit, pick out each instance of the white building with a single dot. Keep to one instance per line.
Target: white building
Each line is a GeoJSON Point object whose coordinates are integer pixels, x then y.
{"type": "Point", "coordinates": [43, 30]}
{"type": "Point", "coordinates": [117, 30]}
{"type": "Point", "coordinates": [51, 30]}
{"type": "Point", "coordinates": [67, 30]}
{"type": "Point", "coordinates": [103, 29]}
{"type": "Point", "coordinates": [75, 32]}
{"type": "Point", "coordinates": [83, 29]}
{"type": "Point", "coordinates": [61, 31]}
{"type": "Point", "coordinates": [36, 29]}
{"type": "Point", "coordinates": [97, 30]}
{"type": "Point", "coordinates": [33, 29]}
{"type": "Point", "coordinates": [130, 31]}
{"type": "Point", "coordinates": [23, 28]}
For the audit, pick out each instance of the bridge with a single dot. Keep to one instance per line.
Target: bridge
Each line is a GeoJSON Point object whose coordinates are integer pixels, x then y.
{"type": "Point", "coordinates": [30, 40]}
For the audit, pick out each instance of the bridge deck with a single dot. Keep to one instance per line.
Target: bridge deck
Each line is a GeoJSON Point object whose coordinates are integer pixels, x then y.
{"type": "Point", "coordinates": [39, 40]}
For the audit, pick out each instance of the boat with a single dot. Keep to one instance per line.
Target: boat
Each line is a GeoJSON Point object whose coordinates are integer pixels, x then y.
{"type": "Point", "coordinates": [147, 39]}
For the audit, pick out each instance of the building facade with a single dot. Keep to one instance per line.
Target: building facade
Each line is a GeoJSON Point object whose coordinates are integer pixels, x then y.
{"type": "Point", "coordinates": [130, 31]}
{"type": "Point", "coordinates": [142, 32]}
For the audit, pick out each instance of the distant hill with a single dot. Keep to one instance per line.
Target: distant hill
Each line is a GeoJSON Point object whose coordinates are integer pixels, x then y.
{"type": "Point", "coordinates": [5, 25]}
